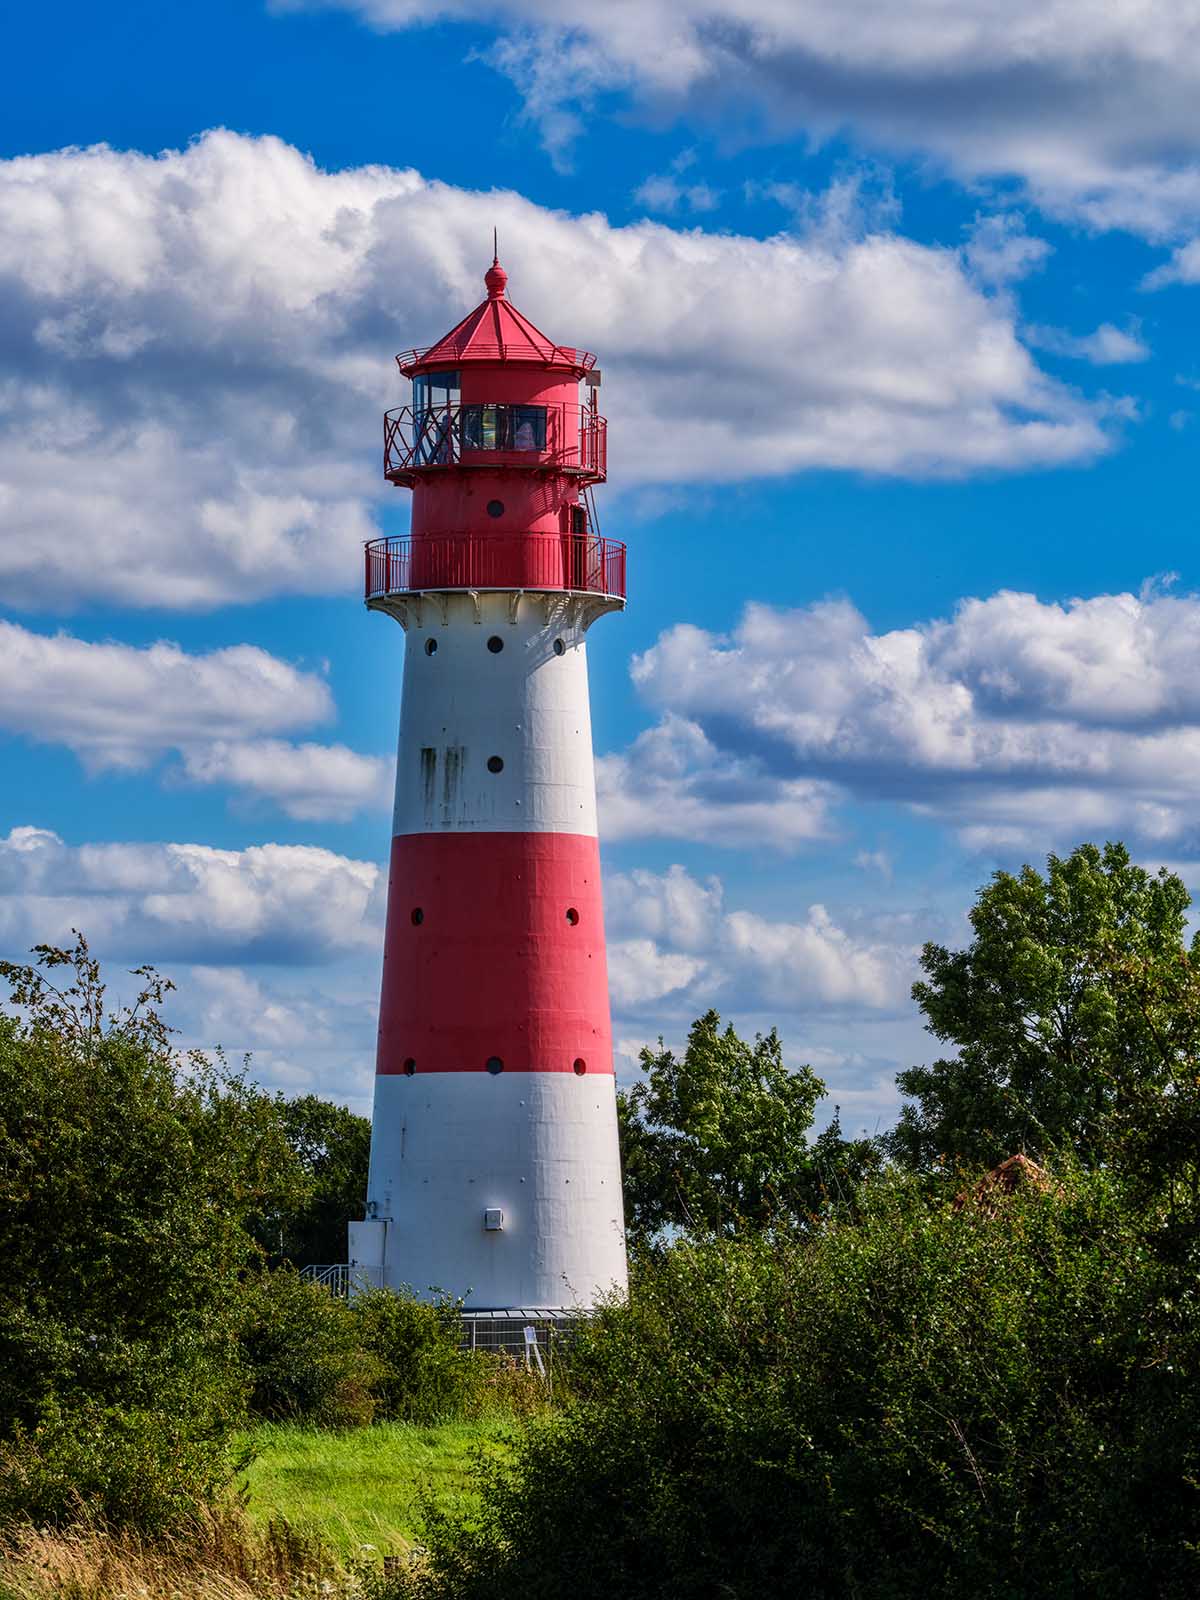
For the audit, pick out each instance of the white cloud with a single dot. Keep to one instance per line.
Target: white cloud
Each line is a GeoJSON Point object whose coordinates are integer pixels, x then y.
{"type": "Point", "coordinates": [1107, 346]}
{"type": "Point", "coordinates": [663, 192]}
{"type": "Point", "coordinates": [160, 903]}
{"type": "Point", "coordinates": [999, 250]}
{"type": "Point", "coordinates": [117, 705]}
{"type": "Point", "coordinates": [123, 707]}
{"type": "Point", "coordinates": [1097, 107]}
{"type": "Point", "coordinates": [311, 782]}
{"type": "Point", "coordinates": [198, 349]}
{"type": "Point", "coordinates": [671, 939]}
{"type": "Point", "coordinates": [674, 783]}
{"type": "Point", "coordinates": [1016, 720]}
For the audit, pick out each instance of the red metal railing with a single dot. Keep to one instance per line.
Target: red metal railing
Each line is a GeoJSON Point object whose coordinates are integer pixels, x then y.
{"type": "Point", "coordinates": [561, 355]}
{"type": "Point", "coordinates": [540, 561]}
{"type": "Point", "coordinates": [569, 439]}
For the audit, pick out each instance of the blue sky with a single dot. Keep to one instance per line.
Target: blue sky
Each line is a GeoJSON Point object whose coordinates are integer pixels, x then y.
{"type": "Point", "coordinates": [896, 312]}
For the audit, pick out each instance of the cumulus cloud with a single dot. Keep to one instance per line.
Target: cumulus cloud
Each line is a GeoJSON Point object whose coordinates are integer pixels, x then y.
{"type": "Point", "coordinates": [1106, 346]}
{"type": "Point", "coordinates": [674, 783]}
{"type": "Point", "coordinates": [197, 350]}
{"type": "Point", "coordinates": [117, 705]}
{"type": "Point", "coordinates": [310, 782]}
{"type": "Point", "coordinates": [1094, 106]}
{"type": "Point", "coordinates": [1014, 719]}
{"type": "Point", "coordinates": [188, 902]}
{"type": "Point", "coordinates": [122, 707]}
{"type": "Point", "coordinates": [673, 940]}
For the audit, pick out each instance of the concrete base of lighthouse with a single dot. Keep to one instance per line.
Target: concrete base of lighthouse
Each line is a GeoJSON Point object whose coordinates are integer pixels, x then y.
{"type": "Point", "coordinates": [537, 1224]}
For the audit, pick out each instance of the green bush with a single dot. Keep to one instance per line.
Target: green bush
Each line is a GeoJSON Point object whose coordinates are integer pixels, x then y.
{"type": "Point", "coordinates": [941, 1399]}
{"type": "Point", "coordinates": [304, 1354]}
{"type": "Point", "coordinates": [143, 1468]}
{"type": "Point", "coordinates": [424, 1376]}
{"type": "Point", "coordinates": [125, 1188]}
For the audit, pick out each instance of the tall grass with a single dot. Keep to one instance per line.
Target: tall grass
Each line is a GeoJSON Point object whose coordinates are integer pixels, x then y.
{"type": "Point", "coordinates": [221, 1556]}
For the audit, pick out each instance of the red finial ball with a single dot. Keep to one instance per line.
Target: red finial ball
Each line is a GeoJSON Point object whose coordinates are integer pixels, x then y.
{"type": "Point", "coordinates": [496, 278]}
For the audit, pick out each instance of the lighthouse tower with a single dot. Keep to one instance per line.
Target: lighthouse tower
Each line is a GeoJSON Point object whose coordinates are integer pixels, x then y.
{"type": "Point", "coordinates": [494, 1172]}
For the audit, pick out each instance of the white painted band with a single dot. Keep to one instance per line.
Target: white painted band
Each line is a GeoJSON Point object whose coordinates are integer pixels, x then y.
{"type": "Point", "coordinates": [540, 1148]}
{"type": "Point", "coordinates": [524, 705]}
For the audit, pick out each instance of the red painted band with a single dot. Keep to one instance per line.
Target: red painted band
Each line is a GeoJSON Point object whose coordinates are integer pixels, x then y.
{"type": "Point", "coordinates": [482, 961]}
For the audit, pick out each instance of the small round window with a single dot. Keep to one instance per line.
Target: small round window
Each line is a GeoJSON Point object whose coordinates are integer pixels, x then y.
{"type": "Point", "coordinates": [560, 648]}
{"type": "Point", "coordinates": [410, 1066]}
{"type": "Point", "coordinates": [495, 764]}
{"type": "Point", "coordinates": [494, 1065]}
{"type": "Point", "coordinates": [573, 916]}
{"type": "Point", "coordinates": [495, 644]}
{"type": "Point", "coordinates": [580, 1066]}
{"type": "Point", "coordinates": [495, 508]}
{"type": "Point", "coordinates": [431, 647]}
{"type": "Point", "coordinates": [418, 916]}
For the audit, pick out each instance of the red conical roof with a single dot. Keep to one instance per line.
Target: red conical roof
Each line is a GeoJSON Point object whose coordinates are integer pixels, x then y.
{"type": "Point", "coordinates": [494, 331]}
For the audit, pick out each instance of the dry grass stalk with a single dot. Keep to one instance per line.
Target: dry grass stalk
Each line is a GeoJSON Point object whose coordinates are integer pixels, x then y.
{"type": "Point", "coordinates": [220, 1557]}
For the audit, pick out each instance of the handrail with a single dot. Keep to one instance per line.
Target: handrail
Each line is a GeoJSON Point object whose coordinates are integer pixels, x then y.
{"type": "Point", "coordinates": [415, 439]}
{"type": "Point", "coordinates": [559, 355]}
{"type": "Point", "coordinates": [576, 562]}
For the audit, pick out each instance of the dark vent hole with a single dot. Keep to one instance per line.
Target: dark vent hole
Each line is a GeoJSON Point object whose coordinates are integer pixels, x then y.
{"type": "Point", "coordinates": [418, 916]}
{"type": "Point", "coordinates": [495, 644]}
{"type": "Point", "coordinates": [580, 1066]}
{"type": "Point", "coordinates": [495, 508]}
{"type": "Point", "coordinates": [495, 764]}
{"type": "Point", "coordinates": [560, 648]}
{"type": "Point", "coordinates": [573, 916]}
{"type": "Point", "coordinates": [431, 647]}
{"type": "Point", "coordinates": [494, 1065]}
{"type": "Point", "coordinates": [410, 1066]}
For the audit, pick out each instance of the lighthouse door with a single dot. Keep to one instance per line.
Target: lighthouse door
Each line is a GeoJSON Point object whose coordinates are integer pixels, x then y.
{"type": "Point", "coordinates": [575, 562]}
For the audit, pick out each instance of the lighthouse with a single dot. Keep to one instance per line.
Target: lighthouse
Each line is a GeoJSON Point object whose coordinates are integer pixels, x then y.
{"type": "Point", "coordinates": [495, 1173]}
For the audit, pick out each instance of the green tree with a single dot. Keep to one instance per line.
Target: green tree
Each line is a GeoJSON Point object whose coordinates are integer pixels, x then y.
{"type": "Point", "coordinates": [126, 1181]}
{"type": "Point", "coordinates": [930, 1399]}
{"type": "Point", "coordinates": [717, 1139]}
{"type": "Point", "coordinates": [332, 1147]}
{"type": "Point", "coordinates": [1074, 1012]}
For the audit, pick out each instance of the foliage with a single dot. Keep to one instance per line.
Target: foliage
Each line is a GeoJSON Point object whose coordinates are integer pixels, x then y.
{"type": "Point", "coordinates": [304, 1350]}
{"type": "Point", "coordinates": [1076, 1014]}
{"type": "Point", "coordinates": [331, 1146]}
{"type": "Point", "coordinates": [938, 1398]}
{"type": "Point", "coordinates": [424, 1376]}
{"type": "Point", "coordinates": [717, 1140]}
{"type": "Point", "coordinates": [125, 1184]}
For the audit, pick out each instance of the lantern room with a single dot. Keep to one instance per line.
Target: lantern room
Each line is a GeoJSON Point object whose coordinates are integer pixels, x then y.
{"type": "Point", "coordinates": [500, 445]}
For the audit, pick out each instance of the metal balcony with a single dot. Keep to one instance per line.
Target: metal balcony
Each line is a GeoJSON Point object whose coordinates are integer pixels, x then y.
{"type": "Point", "coordinates": [573, 562]}
{"type": "Point", "coordinates": [562, 438]}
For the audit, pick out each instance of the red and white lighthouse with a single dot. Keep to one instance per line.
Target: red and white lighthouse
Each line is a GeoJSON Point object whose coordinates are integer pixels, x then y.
{"type": "Point", "coordinates": [495, 1172]}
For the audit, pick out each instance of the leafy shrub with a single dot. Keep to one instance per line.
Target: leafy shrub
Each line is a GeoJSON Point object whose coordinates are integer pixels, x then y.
{"type": "Point", "coordinates": [937, 1400]}
{"type": "Point", "coordinates": [142, 1468]}
{"type": "Point", "coordinates": [304, 1353]}
{"type": "Point", "coordinates": [424, 1376]}
{"type": "Point", "coordinates": [125, 1187]}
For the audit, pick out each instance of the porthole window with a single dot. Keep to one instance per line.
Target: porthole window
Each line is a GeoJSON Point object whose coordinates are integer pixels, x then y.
{"type": "Point", "coordinates": [494, 1065]}
{"type": "Point", "coordinates": [495, 644]}
{"type": "Point", "coordinates": [410, 1066]}
{"type": "Point", "coordinates": [418, 916]}
{"type": "Point", "coordinates": [495, 508]}
{"type": "Point", "coordinates": [495, 764]}
{"type": "Point", "coordinates": [572, 916]}
{"type": "Point", "coordinates": [580, 1066]}
{"type": "Point", "coordinates": [560, 648]}
{"type": "Point", "coordinates": [431, 647]}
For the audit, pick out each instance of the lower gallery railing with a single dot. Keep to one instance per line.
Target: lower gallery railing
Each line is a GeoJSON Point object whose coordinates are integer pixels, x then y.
{"type": "Point", "coordinates": [408, 564]}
